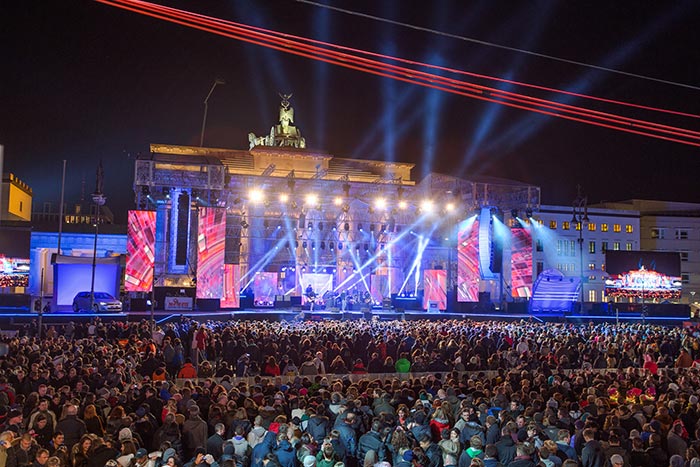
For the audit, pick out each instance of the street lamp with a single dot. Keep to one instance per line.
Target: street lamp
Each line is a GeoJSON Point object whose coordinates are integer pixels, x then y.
{"type": "Point", "coordinates": [99, 199]}
{"type": "Point", "coordinates": [206, 109]}
{"type": "Point", "coordinates": [579, 218]}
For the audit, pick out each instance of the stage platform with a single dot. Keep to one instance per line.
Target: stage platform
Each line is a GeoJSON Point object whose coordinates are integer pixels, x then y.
{"type": "Point", "coordinates": [14, 318]}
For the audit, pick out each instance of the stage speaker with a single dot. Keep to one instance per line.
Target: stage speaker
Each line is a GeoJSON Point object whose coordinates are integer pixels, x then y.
{"type": "Point", "coordinates": [295, 300]}
{"type": "Point", "coordinates": [485, 298]}
{"type": "Point", "coordinates": [139, 304]}
{"type": "Point", "coordinates": [208, 304]}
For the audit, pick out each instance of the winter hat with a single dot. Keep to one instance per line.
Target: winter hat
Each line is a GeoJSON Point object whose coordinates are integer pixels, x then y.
{"type": "Point", "coordinates": [125, 434]}
{"type": "Point", "coordinates": [309, 461]}
{"type": "Point", "coordinates": [408, 455]}
{"type": "Point", "coordinates": [170, 452]}
{"type": "Point", "coordinates": [676, 461]}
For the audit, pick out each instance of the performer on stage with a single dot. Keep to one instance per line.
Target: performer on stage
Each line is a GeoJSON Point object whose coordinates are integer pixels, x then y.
{"type": "Point", "coordinates": [310, 296]}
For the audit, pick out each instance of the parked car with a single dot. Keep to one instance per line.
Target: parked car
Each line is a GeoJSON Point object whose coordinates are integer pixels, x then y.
{"type": "Point", "coordinates": [103, 302]}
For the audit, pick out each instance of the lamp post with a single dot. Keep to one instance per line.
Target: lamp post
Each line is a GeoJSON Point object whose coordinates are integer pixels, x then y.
{"type": "Point", "coordinates": [579, 218]}
{"type": "Point", "coordinates": [217, 81]}
{"type": "Point", "coordinates": [99, 199]}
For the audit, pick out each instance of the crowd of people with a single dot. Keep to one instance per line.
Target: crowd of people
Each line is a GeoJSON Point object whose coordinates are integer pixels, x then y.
{"type": "Point", "coordinates": [350, 394]}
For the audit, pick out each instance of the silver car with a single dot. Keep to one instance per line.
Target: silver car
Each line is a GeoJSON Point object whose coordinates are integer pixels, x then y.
{"type": "Point", "coordinates": [103, 302]}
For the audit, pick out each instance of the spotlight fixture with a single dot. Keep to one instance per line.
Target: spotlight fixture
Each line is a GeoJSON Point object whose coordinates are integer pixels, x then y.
{"type": "Point", "coordinates": [403, 205]}
{"type": "Point", "coordinates": [311, 199]}
{"type": "Point", "coordinates": [256, 195]}
{"type": "Point", "coordinates": [338, 201]}
{"type": "Point", "coordinates": [359, 227]}
{"type": "Point", "coordinates": [528, 213]}
{"type": "Point", "coordinates": [426, 206]}
{"type": "Point", "coordinates": [449, 207]}
{"type": "Point", "coordinates": [380, 203]}
{"type": "Point", "coordinates": [346, 227]}
{"type": "Point", "coordinates": [284, 197]}
{"type": "Point", "coordinates": [514, 213]}
{"type": "Point", "coordinates": [244, 224]}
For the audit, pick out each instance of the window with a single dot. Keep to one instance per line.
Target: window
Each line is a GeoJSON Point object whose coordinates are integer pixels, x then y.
{"type": "Point", "coordinates": [629, 228]}
{"type": "Point", "coordinates": [684, 256]}
{"type": "Point", "coordinates": [603, 246]}
{"type": "Point", "coordinates": [591, 278]}
{"type": "Point", "coordinates": [539, 267]}
{"type": "Point", "coordinates": [20, 206]}
{"type": "Point", "coordinates": [572, 267]}
{"type": "Point", "coordinates": [553, 225]}
{"type": "Point", "coordinates": [578, 226]}
{"type": "Point", "coordinates": [681, 234]}
{"type": "Point", "coordinates": [685, 278]}
{"type": "Point", "coordinates": [616, 246]}
{"type": "Point", "coordinates": [602, 267]}
{"type": "Point", "coordinates": [591, 296]}
{"type": "Point", "coordinates": [628, 246]}
{"type": "Point", "coordinates": [658, 233]}
{"type": "Point", "coordinates": [617, 228]}
{"type": "Point", "coordinates": [591, 266]}
{"type": "Point", "coordinates": [591, 227]}
{"type": "Point", "coordinates": [603, 227]}
{"type": "Point", "coordinates": [560, 247]}
{"type": "Point", "coordinates": [591, 247]}
{"type": "Point", "coordinates": [572, 247]}
{"type": "Point", "coordinates": [566, 225]}
{"type": "Point", "coordinates": [539, 246]}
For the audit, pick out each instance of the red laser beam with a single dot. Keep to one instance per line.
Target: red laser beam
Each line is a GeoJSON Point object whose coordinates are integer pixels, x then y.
{"type": "Point", "coordinates": [244, 33]}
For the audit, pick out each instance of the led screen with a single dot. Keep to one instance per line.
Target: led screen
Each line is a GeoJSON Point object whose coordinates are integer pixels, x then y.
{"type": "Point", "coordinates": [435, 288]}
{"type": "Point", "coordinates": [264, 288]}
{"type": "Point", "coordinates": [468, 262]}
{"type": "Point", "coordinates": [320, 284]}
{"type": "Point", "coordinates": [644, 274]}
{"type": "Point", "coordinates": [211, 239]}
{"type": "Point", "coordinates": [521, 263]}
{"type": "Point", "coordinates": [230, 297]}
{"type": "Point", "coordinates": [14, 272]}
{"type": "Point", "coordinates": [141, 237]}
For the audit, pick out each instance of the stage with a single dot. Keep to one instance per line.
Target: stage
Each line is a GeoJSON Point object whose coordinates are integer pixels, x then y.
{"type": "Point", "coordinates": [13, 318]}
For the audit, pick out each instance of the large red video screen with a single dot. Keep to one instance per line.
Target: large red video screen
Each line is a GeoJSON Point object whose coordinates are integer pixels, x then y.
{"type": "Point", "coordinates": [211, 240]}
{"type": "Point", "coordinates": [521, 263]}
{"type": "Point", "coordinates": [231, 297]}
{"type": "Point", "coordinates": [435, 288]}
{"type": "Point", "coordinates": [644, 274]}
{"type": "Point", "coordinates": [468, 262]}
{"type": "Point", "coordinates": [140, 251]}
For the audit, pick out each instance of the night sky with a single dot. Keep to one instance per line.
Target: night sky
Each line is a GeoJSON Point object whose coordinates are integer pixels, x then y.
{"type": "Point", "coordinates": [84, 81]}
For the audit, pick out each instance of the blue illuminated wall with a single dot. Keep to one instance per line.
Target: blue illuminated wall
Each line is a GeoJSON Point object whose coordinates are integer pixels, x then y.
{"type": "Point", "coordinates": [71, 278]}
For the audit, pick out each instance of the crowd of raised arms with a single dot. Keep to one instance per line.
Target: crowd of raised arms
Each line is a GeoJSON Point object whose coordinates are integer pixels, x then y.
{"type": "Point", "coordinates": [350, 394]}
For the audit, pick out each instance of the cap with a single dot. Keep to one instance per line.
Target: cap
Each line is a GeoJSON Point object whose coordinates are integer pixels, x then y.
{"type": "Point", "coordinates": [408, 455]}
{"type": "Point", "coordinates": [309, 461]}
{"type": "Point", "coordinates": [141, 453]}
{"type": "Point", "coordinates": [616, 459]}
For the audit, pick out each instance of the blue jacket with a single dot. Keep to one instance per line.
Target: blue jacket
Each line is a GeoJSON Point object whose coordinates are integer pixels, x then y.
{"type": "Point", "coordinates": [262, 449]}
{"type": "Point", "coordinates": [348, 438]}
{"type": "Point", "coordinates": [286, 454]}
